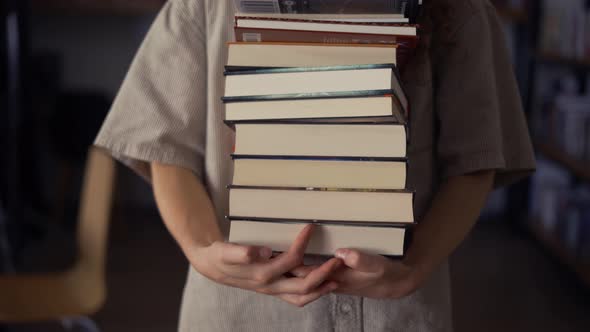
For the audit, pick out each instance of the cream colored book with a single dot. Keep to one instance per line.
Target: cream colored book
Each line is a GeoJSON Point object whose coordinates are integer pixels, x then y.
{"type": "Point", "coordinates": [325, 239]}
{"type": "Point", "coordinates": [369, 174]}
{"type": "Point", "coordinates": [374, 206]}
{"type": "Point", "coordinates": [321, 140]}
{"type": "Point", "coordinates": [335, 109]}
{"type": "Point", "coordinates": [308, 54]}
{"type": "Point", "coordinates": [254, 83]}
{"type": "Point", "coordinates": [327, 26]}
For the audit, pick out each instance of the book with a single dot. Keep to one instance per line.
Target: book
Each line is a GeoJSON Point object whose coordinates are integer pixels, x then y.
{"type": "Point", "coordinates": [264, 54]}
{"type": "Point", "coordinates": [386, 207]}
{"type": "Point", "coordinates": [409, 8]}
{"type": "Point", "coordinates": [320, 173]}
{"type": "Point", "coordinates": [309, 82]}
{"type": "Point", "coordinates": [244, 34]}
{"type": "Point", "coordinates": [375, 18]}
{"type": "Point", "coordinates": [398, 29]}
{"type": "Point", "coordinates": [325, 239]}
{"type": "Point", "coordinates": [321, 139]}
{"type": "Point", "coordinates": [379, 108]}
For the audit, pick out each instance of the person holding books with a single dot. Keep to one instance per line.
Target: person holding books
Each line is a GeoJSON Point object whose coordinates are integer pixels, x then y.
{"type": "Point", "coordinates": [468, 136]}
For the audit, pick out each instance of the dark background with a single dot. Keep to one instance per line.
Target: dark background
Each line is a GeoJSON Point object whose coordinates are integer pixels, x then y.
{"type": "Point", "coordinates": [526, 265]}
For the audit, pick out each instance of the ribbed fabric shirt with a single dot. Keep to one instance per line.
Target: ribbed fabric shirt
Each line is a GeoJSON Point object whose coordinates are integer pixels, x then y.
{"type": "Point", "coordinates": [466, 116]}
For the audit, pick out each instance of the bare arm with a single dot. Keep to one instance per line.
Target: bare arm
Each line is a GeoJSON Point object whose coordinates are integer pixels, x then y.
{"type": "Point", "coordinates": [185, 207]}
{"type": "Point", "coordinates": [453, 213]}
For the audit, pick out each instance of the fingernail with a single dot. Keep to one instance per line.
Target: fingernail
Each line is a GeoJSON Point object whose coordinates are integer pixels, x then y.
{"type": "Point", "coordinates": [265, 253]}
{"type": "Point", "coordinates": [341, 253]}
{"type": "Point", "coordinates": [332, 286]}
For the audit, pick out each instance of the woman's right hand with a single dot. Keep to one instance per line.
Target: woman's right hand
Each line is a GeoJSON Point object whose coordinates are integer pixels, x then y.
{"type": "Point", "coordinates": [253, 268]}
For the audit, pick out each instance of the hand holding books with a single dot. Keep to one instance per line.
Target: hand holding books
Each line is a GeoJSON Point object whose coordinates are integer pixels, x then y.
{"type": "Point", "coordinates": [253, 268]}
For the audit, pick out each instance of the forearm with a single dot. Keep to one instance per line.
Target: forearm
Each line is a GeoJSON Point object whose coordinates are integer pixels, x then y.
{"type": "Point", "coordinates": [185, 207]}
{"type": "Point", "coordinates": [454, 211]}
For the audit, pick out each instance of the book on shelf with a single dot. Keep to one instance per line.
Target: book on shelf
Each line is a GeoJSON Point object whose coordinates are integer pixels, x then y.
{"type": "Point", "coordinates": [564, 29]}
{"type": "Point", "coordinates": [278, 54]}
{"type": "Point", "coordinates": [361, 206]}
{"type": "Point", "coordinates": [325, 240]}
{"type": "Point", "coordinates": [313, 82]}
{"type": "Point", "coordinates": [321, 139]}
{"type": "Point", "coordinates": [271, 171]}
{"type": "Point", "coordinates": [564, 123]}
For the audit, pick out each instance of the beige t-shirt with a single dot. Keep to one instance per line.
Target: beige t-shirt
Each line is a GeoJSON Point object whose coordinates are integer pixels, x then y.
{"type": "Point", "coordinates": [466, 116]}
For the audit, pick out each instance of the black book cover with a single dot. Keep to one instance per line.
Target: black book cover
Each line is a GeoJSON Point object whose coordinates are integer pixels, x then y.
{"type": "Point", "coordinates": [277, 70]}
{"type": "Point", "coordinates": [398, 191]}
{"type": "Point", "coordinates": [325, 222]}
{"type": "Point", "coordinates": [319, 158]}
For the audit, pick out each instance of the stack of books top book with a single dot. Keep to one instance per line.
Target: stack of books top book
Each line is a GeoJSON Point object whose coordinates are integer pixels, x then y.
{"type": "Point", "coordinates": [321, 138]}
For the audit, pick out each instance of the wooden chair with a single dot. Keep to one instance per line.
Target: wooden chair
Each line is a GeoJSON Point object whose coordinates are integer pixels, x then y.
{"type": "Point", "coordinates": [80, 290]}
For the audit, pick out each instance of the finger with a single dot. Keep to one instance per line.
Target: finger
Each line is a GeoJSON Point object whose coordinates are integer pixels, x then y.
{"type": "Point", "coordinates": [351, 280]}
{"type": "Point", "coordinates": [359, 261]}
{"type": "Point", "coordinates": [308, 284]}
{"type": "Point", "coordinates": [300, 244]}
{"type": "Point", "coordinates": [303, 270]}
{"type": "Point", "coordinates": [303, 300]}
{"type": "Point", "coordinates": [234, 254]}
{"type": "Point", "coordinates": [264, 273]}
{"type": "Point", "coordinates": [291, 258]}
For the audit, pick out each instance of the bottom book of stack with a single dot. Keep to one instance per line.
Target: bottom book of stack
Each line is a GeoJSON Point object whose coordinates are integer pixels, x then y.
{"type": "Point", "coordinates": [325, 240]}
{"type": "Point", "coordinates": [373, 221]}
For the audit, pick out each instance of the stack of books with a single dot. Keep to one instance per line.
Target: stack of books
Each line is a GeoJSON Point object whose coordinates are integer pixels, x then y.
{"type": "Point", "coordinates": [321, 134]}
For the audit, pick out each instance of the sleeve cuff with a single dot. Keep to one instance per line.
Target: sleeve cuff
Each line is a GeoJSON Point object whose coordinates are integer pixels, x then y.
{"type": "Point", "coordinates": [482, 161]}
{"type": "Point", "coordinates": [139, 156]}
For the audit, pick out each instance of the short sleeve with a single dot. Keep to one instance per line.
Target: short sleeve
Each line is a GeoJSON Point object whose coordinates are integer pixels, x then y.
{"type": "Point", "coordinates": [159, 113]}
{"type": "Point", "coordinates": [480, 120]}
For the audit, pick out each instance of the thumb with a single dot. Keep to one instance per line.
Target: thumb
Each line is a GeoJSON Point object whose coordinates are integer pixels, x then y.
{"type": "Point", "coordinates": [359, 261]}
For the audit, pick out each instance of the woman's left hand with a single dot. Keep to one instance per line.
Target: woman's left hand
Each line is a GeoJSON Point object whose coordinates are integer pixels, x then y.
{"type": "Point", "coordinates": [371, 276]}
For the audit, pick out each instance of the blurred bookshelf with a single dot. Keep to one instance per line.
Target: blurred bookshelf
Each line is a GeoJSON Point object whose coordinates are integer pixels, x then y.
{"type": "Point", "coordinates": [552, 58]}
{"type": "Point", "coordinates": [559, 118]}
{"type": "Point", "coordinates": [514, 15]}
{"type": "Point", "coordinates": [97, 7]}
{"type": "Point", "coordinates": [558, 250]}
{"type": "Point", "coordinates": [514, 11]}
{"type": "Point", "coordinates": [580, 169]}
